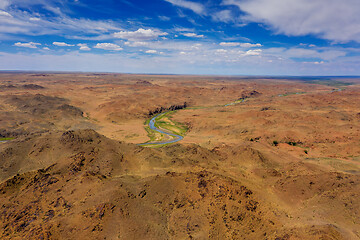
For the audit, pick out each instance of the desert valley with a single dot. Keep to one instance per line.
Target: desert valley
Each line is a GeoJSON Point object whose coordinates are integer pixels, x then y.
{"type": "Point", "coordinates": [256, 158]}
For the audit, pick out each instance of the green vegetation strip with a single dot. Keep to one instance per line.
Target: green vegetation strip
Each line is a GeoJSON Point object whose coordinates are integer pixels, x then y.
{"type": "Point", "coordinates": [165, 121]}
{"type": "Point", "coordinates": [6, 139]}
{"type": "Point", "coordinates": [152, 134]}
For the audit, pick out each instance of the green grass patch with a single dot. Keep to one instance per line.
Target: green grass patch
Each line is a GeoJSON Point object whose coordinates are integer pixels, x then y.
{"type": "Point", "coordinates": [239, 101]}
{"type": "Point", "coordinates": [166, 122]}
{"type": "Point", "coordinates": [6, 139]}
{"type": "Point", "coordinates": [152, 134]}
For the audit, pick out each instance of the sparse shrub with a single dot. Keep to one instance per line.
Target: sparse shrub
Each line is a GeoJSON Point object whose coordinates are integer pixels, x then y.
{"type": "Point", "coordinates": [305, 151]}
{"type": "Point", "coordinates": [292, 143]}
{"type": "Point", "coordinates": [251, 140]}
{"type": "Point", "coordinates": [275, 143]}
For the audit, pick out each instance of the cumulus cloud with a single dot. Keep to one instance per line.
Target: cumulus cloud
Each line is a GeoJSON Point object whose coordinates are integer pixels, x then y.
{"type": "Point", "coordinates": [108, 46]}
{"type": "Point", "coordinates": [221, 51]}
{"type": "Point", "coordinates": [250, 45]}
{"type": "Point", "coordinates": [151, 51]}
{"type": "Point", "coordinates": [254, 52]}
{"type": "Point", "coordinates": [140, 34]}
{"type": "Point", "coordinates": [229, 44]}
{"type": "Point", "coordinates": [136, 44]}
{"type": "Point", "coordinates": [193, 35]}
{"type": "Point", "coordinates": [62, 44]}
{"type": "Point", "coordinates": [193, 6]}
{"type": "Point", "coordinates": [329, 19]}
{"type": "Point", "coordinates": [237, 44]}
{"type": "Point", "coordinates": [27, 45]}
{"type": "Point", "coordinates": [83, 46]}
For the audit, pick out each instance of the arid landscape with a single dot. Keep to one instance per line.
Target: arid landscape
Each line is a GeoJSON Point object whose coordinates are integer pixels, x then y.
{"type": "Point", "coordinates": [258, 157]}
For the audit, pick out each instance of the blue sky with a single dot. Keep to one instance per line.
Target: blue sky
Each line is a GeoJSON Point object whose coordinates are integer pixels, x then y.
{"type": "Point", "coordinates": [223, 37]}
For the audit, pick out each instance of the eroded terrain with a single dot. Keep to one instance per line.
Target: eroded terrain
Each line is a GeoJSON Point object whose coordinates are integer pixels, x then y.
{"type": "Point", "coordinates": [260, 158]}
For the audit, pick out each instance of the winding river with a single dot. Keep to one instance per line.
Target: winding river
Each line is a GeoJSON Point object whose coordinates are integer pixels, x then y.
{"type": "Point", "coordinates": [175, 139]}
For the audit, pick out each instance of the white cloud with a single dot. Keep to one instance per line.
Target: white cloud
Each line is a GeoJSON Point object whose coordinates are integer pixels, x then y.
{"type": "Point", "coordinates": [221, 50]}
{"type": "Point", "coordinates": [329, 19]}
{"type": "Point", "coordinates": [183, 29]}
{"type": "Point", "coordinates": [250, 45]}
{"type": "Point", "coordinates": [15, 21]}
{"type": "Point", "coordinates": [136, 44]}
{"type": "Point", "coordinates": [140, 34]}
{"type": "Point", "coordinates": [83, 46]}
{"type": "Point", "coordinates": [108, 46]}
{"type": "Point", "coordinates": [254, 52]}
{"type": "Point", "coordinates": [236, 44]}
{"type": "Point", "coordinates": [229, 44]}
{"type": "Point", "coordinates": [62, 44]}
{"type": "Point", "coordinates": [151, 51]}
{"type": "Point", "coordinates": [193, 35]}
{"type": "Point", "coordinates": [6, 14]}
{"type": "Point", "coordinates": [170, 45]}
{"type": "Point", "coordinates": [223, 16]}
{"type": "Point", "coordinates": [34, 19]}
{"type": "Point", "coordinates": [46, 48]}
{"type": "Point", "coordinates": [192, 61]}
{"type": "Point", "coordinates": [195, 7]}
{"type": "Point", "coordinates": [164, 18]}
{"type": "Point", "coordinates": [27, 45]}
{"type": "Point", "coordinates": [4, 4]}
